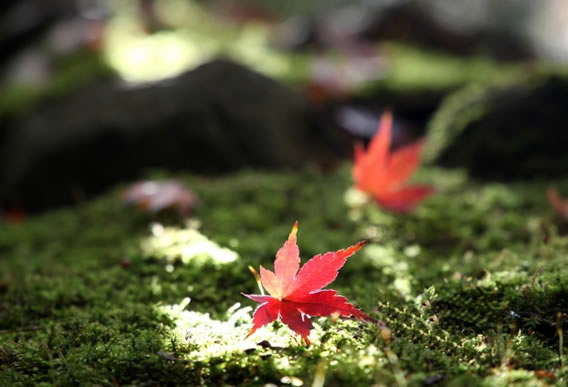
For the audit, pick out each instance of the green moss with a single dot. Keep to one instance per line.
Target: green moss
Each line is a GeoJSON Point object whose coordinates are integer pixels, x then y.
{"type": "Point", "coordinates": [469, 286]}
{"type": "Point", "coordinates": [415, 69]}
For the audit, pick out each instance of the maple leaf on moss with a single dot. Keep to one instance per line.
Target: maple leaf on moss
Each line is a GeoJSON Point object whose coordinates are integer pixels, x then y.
{"type": "Point", "coordinates": [296, 294]}
{"type": "Point", "coordinates": [383, 173]}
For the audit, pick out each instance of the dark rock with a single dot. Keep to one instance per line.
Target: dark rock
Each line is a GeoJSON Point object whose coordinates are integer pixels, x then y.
{"type": "Point", "coordinates": [216, 118]}
{"type": "Point", "coordinates": [511, 130]}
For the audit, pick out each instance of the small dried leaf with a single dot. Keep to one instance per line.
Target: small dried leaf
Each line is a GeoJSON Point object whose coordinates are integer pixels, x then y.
{"type": "Point", "coordinates": [154, 196]}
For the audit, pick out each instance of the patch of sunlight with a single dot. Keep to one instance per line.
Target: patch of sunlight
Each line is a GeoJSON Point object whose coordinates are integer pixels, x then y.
{"type": "Point", "coordinates": [372, 232]}
{"type": "Point", "coordinates": [155, 286]}
{"type": "Point", "coordinates": [234, 243]}
{"type": "Point", "coordinates": [370, 356]}
{"type": "Point", "coordinates": [292, 380]}
{"type": "Point", "coordinates": [490, 280]}
{"type": "Point", "coordinates": [139, 57]}
{"type": "Point", "coordinates": [194, 38]}
{"type": "Point", "coordinates": [508, 377]}
{"type": "Point", "coordinates": [251, 47]}
{"type": "Point", "coordinates": [355, 198]}
{"type": "Point", "coordinates": [185, 244]}
{"type": "Point", "coordinates": [211, 338]}
{"type": "Point", "coordinates": [412, 251]}
{"type": "Point", "coordinates": [279, 335]}
{"type": "Point", "coordinates": [361, 204]}
{"type": "Point", "coordinates": [391, 264]}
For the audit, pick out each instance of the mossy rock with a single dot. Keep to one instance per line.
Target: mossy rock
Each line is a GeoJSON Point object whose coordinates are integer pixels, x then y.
{"type": "Point", "coordinates": [191, 122]}
{"type": "Point", "coordinates": [468, 287]}
{"type": "Point", "coordinates": [506, 129]}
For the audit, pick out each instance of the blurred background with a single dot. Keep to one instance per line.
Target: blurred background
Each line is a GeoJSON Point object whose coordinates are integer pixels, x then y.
{"type": "Point", "coordinates": [98, 92]}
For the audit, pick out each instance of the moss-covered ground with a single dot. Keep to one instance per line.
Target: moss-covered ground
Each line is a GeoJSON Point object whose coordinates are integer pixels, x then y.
{"type": "Point", "coordinates": [468, 288]}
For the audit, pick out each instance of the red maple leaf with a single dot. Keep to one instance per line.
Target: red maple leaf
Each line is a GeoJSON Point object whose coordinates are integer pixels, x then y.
{"type": "Point", "coordinates": [295, 296]}
{"type": "Point", "coordinates": [383, 173]}
{"type": "Point", "coordinates": [559, 204]}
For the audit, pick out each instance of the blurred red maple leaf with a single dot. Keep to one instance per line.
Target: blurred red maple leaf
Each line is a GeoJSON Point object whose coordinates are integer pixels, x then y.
{"type": "Point", "coordinates": [13, 215]}
{"type": "Point", "coordinates": [559, 204]}
{"type": "Point", "coordinates": [295, 296]}
{"type": "Point", "coordinates": [383, 173]}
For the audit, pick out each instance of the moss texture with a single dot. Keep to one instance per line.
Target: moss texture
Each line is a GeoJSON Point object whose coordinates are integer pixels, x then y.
{"type": "Point", "coordinates": [468, 288]}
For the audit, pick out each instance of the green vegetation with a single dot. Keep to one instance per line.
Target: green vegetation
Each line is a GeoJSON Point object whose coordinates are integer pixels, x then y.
{"type": "Point", "coordinates": [409, 70]}
{"type": "Point", "coordinates": [70, 72]}
{"type": "Point", "coordinates": [482, 97]}
{"type": "Point", "coordinates": [414, 69]}
{"type": "Point", "coordinates": [468, 288]}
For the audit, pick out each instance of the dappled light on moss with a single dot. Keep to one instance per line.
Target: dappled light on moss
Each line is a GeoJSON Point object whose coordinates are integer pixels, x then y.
{"type": "Point", "coordinates": [139, 56]}
{"type": "Point", "coordinates": [186, 245]}
{"type": "Point", "coordinates": [392, 265]}
{"type": "Point", "coordinates": [208, 342]}
{"type": "Point", "coordinates": [355, 199]}
{"type": "Point", "coordinates": [211, 337]}
{"type": "Point", "coordinates": [129, 305]}
{"type": "Point", "coordinates": [206, 336]}
{"type": "Point", "coordinates": [150, 57]}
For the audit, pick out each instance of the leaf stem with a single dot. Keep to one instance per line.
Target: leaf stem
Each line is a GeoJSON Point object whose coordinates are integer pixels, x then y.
{"type": "Point", "coordinates": [257, 278]}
